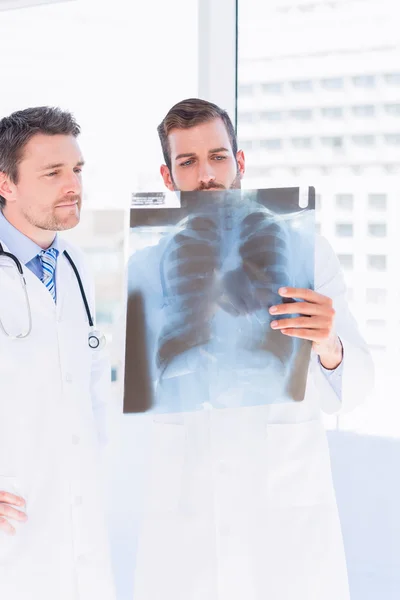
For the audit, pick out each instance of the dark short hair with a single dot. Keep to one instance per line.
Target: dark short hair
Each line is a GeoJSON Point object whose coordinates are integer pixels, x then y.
{"type": "Point", "coordinates": [189, 113]}
{"type": "Point", "coordinates": [17, 129]}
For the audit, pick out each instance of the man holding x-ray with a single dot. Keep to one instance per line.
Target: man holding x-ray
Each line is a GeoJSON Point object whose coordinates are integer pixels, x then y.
{"type": "Point", "coordinates": [240, 501]}
{"type": "Point", "coordinates": [54, 374]}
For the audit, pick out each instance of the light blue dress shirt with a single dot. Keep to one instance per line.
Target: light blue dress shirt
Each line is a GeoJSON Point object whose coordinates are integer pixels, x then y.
{"type": "Point", "coordinates": [22, 247]}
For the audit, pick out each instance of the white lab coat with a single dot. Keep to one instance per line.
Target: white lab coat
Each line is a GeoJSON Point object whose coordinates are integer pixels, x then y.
{"type": "Point", "coordinates": [53, 388]}
{"type": "Point", "coordinates": [239, 503]}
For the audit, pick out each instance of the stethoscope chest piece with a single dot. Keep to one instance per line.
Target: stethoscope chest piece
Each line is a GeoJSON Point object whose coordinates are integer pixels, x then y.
{"type": "Point", "coordinates": [97, 340]}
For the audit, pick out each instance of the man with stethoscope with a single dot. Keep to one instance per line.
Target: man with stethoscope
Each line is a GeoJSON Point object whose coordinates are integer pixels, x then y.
{"type": "Point", "coordinates": [54, 374]}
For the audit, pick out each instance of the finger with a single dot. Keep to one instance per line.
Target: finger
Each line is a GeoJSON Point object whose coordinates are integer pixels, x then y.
{"type": "Point", "coordinates": [12, 513]}
{"type": "Point", "coordinates": [313, 335]}
{"type": "Point", "coordinates": [11, 499]}
{"type": "Point", "coordinates": [6, 527]}
{"type": "Point", "coordinates": [304, 294]}
{"type": "Point", "coordinates": [300, 323]}
{"type": "Point", "coordinates": [302, 308]}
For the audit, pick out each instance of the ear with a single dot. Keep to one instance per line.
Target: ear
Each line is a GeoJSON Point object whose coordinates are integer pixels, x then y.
{"type": "Point", "coordinates": [241, 162]}
{"type": "Point", "coordinates": [6, 187]}
{"type": "Point", "coordinates": [167, 177]}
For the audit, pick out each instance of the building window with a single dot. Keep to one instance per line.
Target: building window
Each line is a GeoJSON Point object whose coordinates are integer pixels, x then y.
{"type": "Point", "coordinates": [271, 144]}
{"type": "Point", "coordinates": [301, 114]}
{"type": "Point", "coordinates": [272, 88]}
{"type": "Point", "coordinates": [392, 78]}
{"type": "Point", "coordinates": [332, 142]}
{"type": "Point", "coordinates": [376, 262]}
{"type": "Point", "coordinates": [392, 110]}
{"type": "Point", "coordinates": [344, 229]}
{"type": "Point", "coordinates": [376, 296]}
{"type": "Point", "coordinates": [392, 139]}
{"type": "Point", "coordinates": [377, 202]}
{"type": "Point", "coordinates": [332, 112]}
{"type": "Point", "coordinates": [364, 110]}
{"type": "Point", "coordinates": [302, 142]}
{"type": "Point", "coordinates": [376, 324]}
{"type": "Point", "coordinates": [245, 90]}
{"type": "Point", "coordinates": [302, 86]}
{"type": "Point", "coordinates": [332, 83]}
{"type": "Point", "coordinates": [377, 230]}
{"type": "Point", "coordinates": [246, 145]}
{"type": "Point", "coordinates": [364, 140]}
{"type": "Point", "coordinates": [346, 260]}
{"type": "Point", "coordinates": [271, 115]}
{"type": "Point", "coordinates": [364, 81]}
{"type": "Point", "coordinates": [345, 202]}
{"type": "Point", "coordinates": [246, 117]}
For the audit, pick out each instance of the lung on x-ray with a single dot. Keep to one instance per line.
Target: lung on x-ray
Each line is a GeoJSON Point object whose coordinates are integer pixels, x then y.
{"type": "Point", "coordinates": [204, 269]}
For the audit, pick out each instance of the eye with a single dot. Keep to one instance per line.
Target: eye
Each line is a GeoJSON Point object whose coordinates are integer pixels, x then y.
{"type": "Point", "coordinates": [52, 174]}
{"type": "Point", "coordinates": [78, 170]}
{"type": "Point", "coordinates": [187, 163]}
{"type": "Point", "coordinates": [219, 157]}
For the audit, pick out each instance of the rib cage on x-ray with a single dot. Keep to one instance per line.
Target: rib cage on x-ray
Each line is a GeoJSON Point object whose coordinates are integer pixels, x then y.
{"type": "Point", "coordinates": [229, 258]}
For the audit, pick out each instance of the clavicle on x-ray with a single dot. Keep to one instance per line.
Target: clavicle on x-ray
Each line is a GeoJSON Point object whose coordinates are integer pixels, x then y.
{"type": "Point", "coordinates": [204, 269]}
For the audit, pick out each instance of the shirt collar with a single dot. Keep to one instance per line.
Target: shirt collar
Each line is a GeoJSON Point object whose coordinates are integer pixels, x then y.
{"type": "Point", "coordinates": [19, 244]}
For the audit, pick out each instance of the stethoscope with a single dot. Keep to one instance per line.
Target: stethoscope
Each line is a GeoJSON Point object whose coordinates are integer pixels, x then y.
{"type": "Point", "coordinates": [96, 339]}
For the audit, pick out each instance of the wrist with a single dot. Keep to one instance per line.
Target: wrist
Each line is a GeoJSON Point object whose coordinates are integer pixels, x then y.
{"type": "Point", "coordinates": [332, 357]}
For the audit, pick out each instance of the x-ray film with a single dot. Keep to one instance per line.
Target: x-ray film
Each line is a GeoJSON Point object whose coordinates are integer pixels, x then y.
{"type": "Point", "coordinates": [204, 269]}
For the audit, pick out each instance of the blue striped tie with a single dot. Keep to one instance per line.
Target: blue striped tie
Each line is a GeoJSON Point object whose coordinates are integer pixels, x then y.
{"type": "Point", "coordinates": [49, 262]}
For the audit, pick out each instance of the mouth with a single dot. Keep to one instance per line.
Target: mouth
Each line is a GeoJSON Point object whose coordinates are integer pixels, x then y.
{"type": "Point", "coordinates": [69, 205]}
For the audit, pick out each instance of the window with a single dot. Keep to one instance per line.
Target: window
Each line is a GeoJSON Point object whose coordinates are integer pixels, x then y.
{"type": "Point", "coordinates": [345, 202]}
{"type": "Point", "coordinates": [364, 110]}
{"type": "Point", "coordinates": [272, 88]}
{"type": "Point", "coordinates": [344, 229]}
{"type": "Point", "coordinates": [246, 117]}
{"type": "Point", "coordinates": [392, 110]}
{"type": "Point", "coordinates": [392, 78]}
{"type": "Point", "coordinates": [302, 142]}
{"type": "Point", "coordinates": [302, 86]}
{"type": "Point", "coordinates": [245, 90]}
{"type": "Point", "coordinates": [376, 296]}
{"type": "Point", "coordinates": [332, 142]}
{"type": "Point", "coordinates": [246, 145]}
{"type": "Point", "coordinates": [332, 112]}
{"type": "Point", "coordinates": [376, 262]}
{"type": "Point", "coordinates": [271, 115]}
{"type": "Point", "coordinates": [376, 324]}
{"type": "Point", "coordinates": [346, 260]}
{"type": "Point", "coordinates": [332, 83]}
{"type": "Point", "coordinates": [301, 114]}
{"type": "Point", "coordinates": [363, 140]}
{"type": "Point", "coordinates": [377, 202]}
{"type": "Point", "coordinates": [271, 144]}
{"type": "Point", "coordinates": [377, 230]}
{"type": "Point", "coordinates": [392, 139]}
{"type": "Point", "coordinates": [364, 81]}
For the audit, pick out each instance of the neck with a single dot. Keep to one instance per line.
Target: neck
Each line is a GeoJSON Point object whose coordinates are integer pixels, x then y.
{"type": "Point", "coordinates": [41, 237]}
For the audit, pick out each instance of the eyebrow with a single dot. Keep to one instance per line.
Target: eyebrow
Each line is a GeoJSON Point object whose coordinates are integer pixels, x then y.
{"type": "Point", "coordinates": [191, 154]}
{"type": "Point", "coordinates": [58, 165]}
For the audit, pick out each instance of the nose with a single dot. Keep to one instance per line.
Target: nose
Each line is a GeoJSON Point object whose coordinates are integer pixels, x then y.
{"type": "Point", "coordinates": [72, 184]}
{"type": "Point", "coordinates": [206, 174]}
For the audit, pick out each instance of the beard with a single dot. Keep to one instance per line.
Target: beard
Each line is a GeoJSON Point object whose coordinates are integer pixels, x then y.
{"type": "Point", "coordinates": [57, 219]}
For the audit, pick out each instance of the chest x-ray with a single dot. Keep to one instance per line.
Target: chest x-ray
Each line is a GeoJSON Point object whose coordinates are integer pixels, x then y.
{"type": "Point", "coordinates": [204, 269]}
